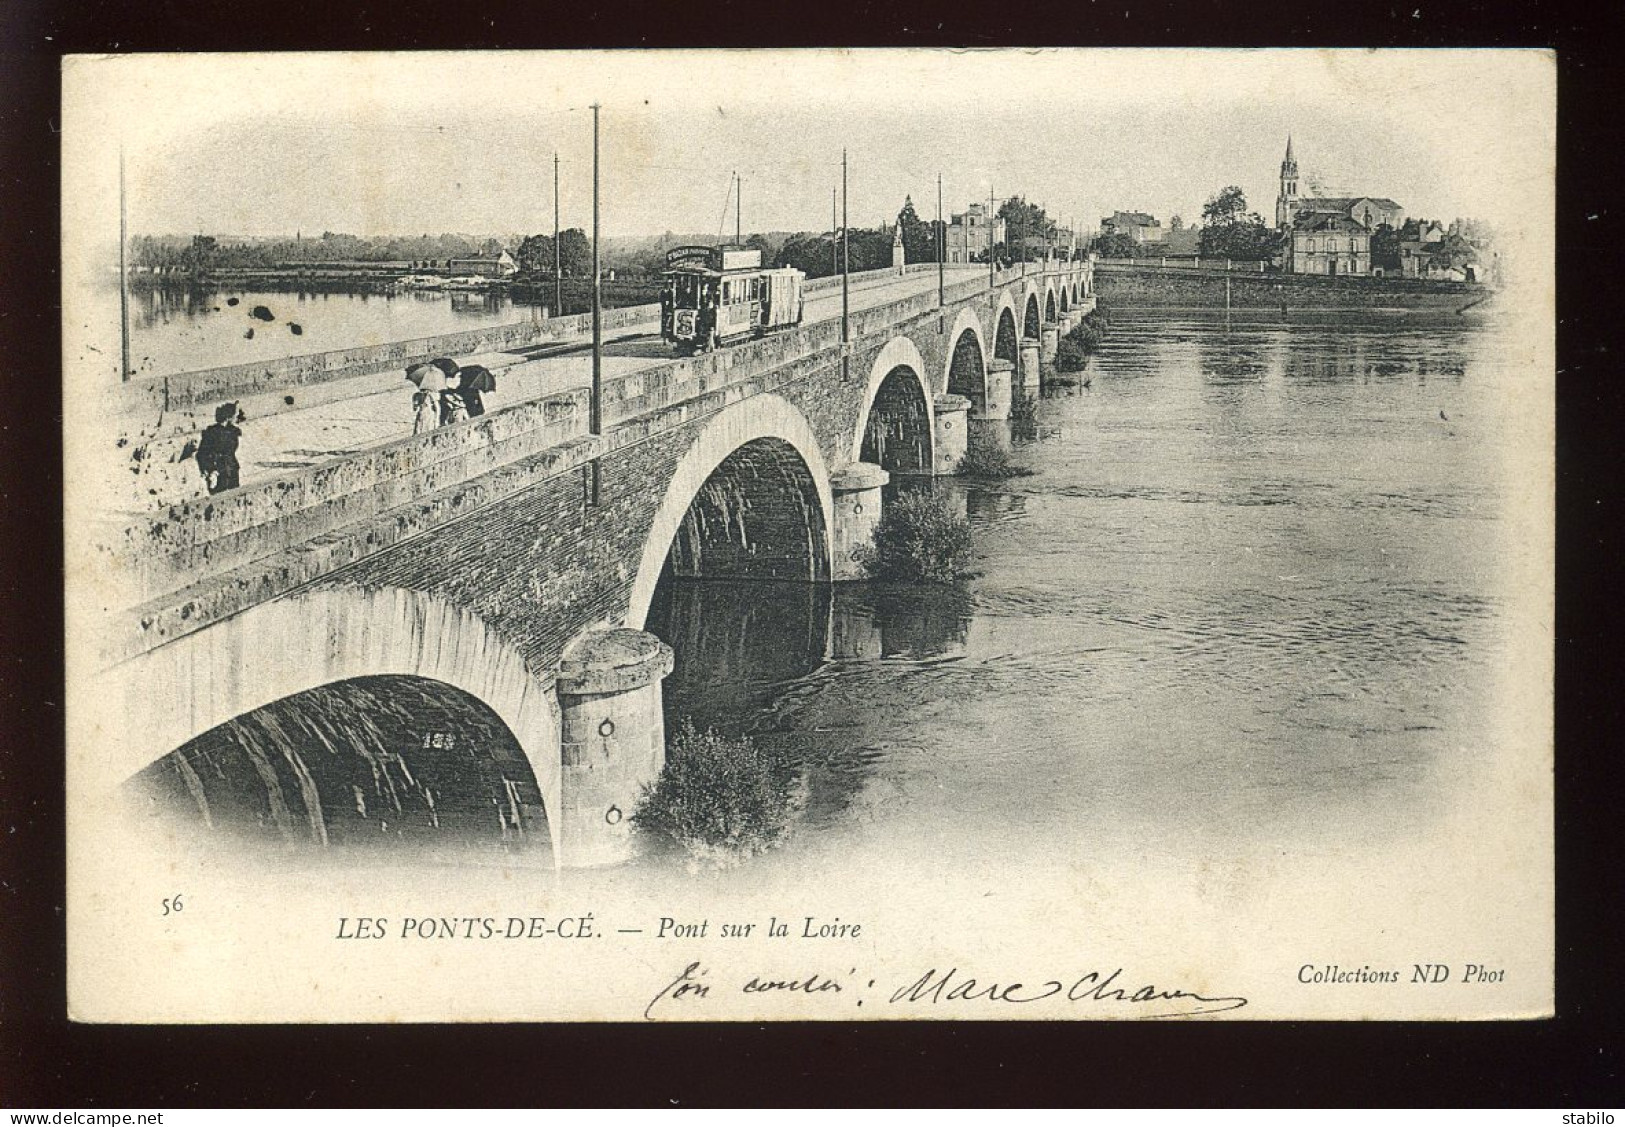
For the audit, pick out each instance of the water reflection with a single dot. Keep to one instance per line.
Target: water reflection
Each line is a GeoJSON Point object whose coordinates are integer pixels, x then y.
{"type": "Point", "coordinates": [739, 644]}
{"type": "Point", "coordinates": [376, 762]}
{"type": "Point", "coordinates": [761, 658]}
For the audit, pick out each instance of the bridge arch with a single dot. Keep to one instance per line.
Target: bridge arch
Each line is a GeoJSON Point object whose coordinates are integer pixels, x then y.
{"type": "Point", "coordinates": [1006, 341]}
{"type": "Point", "coordinates": [1031, 322]}
{"type": "Point", "coordinates": [316, 639]}
{"type": "Point", "coordinates": [1066, 297]}
{"type": "Point", "coordinates": [1049, 305]}
{"type": "Point", "coordinates": [895, 425]}
{"type": "Point", "coordinates": [964, 367]}
{"type": "Point", "coordinates": [768, 458]}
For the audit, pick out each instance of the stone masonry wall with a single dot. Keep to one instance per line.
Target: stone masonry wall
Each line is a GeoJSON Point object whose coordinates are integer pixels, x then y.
{"type": "Point", "coordinates": [1134, 287]}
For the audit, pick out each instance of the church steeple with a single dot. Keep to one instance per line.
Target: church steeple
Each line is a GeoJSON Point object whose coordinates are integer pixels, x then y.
{"type": "Point", "coordinates": [1287, 200]}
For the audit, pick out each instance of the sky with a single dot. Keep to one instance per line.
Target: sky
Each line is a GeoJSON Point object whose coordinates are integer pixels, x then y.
{"type": "Point", "coordinates": [430, 142]}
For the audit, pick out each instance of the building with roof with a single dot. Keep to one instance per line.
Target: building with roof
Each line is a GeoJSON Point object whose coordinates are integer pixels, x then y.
{"type": "Point", "coordinates": [485, 265]}
{"type": "Point", "coordinates": [1136, 225]}
{"type": "Point", "coordinates": [1330, 244]}
{"type": "Point", "coordinates": [967, 233]}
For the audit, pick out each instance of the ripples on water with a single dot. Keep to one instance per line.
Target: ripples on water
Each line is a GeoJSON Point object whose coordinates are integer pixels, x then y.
{"type": "Point", "coordinates": [1251, 591]}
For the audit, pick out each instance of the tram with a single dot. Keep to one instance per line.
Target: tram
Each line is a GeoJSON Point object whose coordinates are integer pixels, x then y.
{"type": "Point", "coordinates": [714, 296]}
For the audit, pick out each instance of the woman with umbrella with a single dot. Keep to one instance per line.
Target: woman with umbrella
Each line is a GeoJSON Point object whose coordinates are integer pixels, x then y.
{"type": "Point", "coordinates": [475, 380]}
{"type": "Point", "coordinates": [452, 408]}
{"type": "Point", "coordinates": [431, 382]}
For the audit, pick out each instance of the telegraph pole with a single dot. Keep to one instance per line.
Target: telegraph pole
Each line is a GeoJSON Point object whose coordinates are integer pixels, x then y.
{"type": "Point", "coordinates": [595, 421]}
{"type": "Point", "coordinates": [739, 206]}
{"type": "Point", "coordinates": [846, 262]}
{"type": "Point", "coordinates": [123, 279]}
{"type": "Point", "coordinates": [834, 236]}
{"type": "Point", "coordinates": [942, 238]}
{"type": "Point", "coordinates": [990, 236]}
{"type": "Point", "coordinates": [595, 414]}
{"type": "Point", "coordinates": [558, 281]}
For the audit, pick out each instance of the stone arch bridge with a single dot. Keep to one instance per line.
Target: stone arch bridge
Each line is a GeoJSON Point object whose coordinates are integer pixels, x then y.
{"type": "Point", "coordinates": [476, 557]}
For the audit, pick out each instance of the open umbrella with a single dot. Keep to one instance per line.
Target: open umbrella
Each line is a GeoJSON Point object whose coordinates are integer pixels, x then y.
{"type": "Point", "coordinates": [446, 365]}
{"type": "Point", "coordinates": [427, 376]}
{"type": "Point", "coordinates": [477, 377]}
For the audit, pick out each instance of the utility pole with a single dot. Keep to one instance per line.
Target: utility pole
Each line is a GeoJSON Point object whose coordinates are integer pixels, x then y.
{"type": "Point", "coordinates": [846, 262]}
{"type": "Point", "coordinates": [834, 236]}
{"type": "Point", "coordinates": [739, 206]}
{"type": "Point", "coordinates": [123, 279]}
{"type": "Point", "coordinates": [595, 417]}
{"type": "Point", "coordinates": [990, 236]}
{"type": "Point", "coordinates": [558, 281]}
{"type": "Point", "coordinates": [942, 238]}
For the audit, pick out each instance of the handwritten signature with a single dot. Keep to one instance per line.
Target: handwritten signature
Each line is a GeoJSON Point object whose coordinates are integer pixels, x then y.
{"type": "Point", "coordinates": [936, 987]}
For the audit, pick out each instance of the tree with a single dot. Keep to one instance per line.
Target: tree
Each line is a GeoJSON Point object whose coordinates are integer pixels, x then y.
{"type": "Point", "coordinates": [1023, 221]}
{"type": "Point", "coordinates": [1229, 206]}
{"type": "Point", "coordinates": [575, 253]}
{"type": "Point", "coordinates": [811, 254]}
{"type": "Point", "coordinates": [1176, 224]}
{"type": "Point", "coordinates": [1116, 246]}
{"type": "Point", "coordinates": [202, 253]}
{"type": "Point", "coordinates": [1229, 230]}
{"type": "Point", "coordinates": [535, 254]}
{"type": "Point", "coordinates": [919, 240]}
{"type": "Point", "coordinates": [1385, 248]}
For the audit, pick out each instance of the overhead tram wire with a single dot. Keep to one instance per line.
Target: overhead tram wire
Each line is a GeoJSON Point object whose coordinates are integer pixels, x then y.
{"type": "Point", "coordinates": [726, 200]}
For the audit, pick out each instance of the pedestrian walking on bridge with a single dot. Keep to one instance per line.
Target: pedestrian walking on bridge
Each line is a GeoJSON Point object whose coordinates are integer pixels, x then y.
{"type": "Point", "coordinates": [217, 449]}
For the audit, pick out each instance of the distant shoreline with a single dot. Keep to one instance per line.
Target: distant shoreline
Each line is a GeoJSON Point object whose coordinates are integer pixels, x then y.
{"type": "Point", "coordinates": [1131, 289]}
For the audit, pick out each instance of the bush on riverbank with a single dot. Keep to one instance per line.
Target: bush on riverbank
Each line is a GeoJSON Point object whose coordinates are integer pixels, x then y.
{"type": "Point", "coordinates": [986, 460]}
{"type": "Point", "coordinates": [920, 539]}
{"type": "Point", "coordinates": [1072, 353]}
{"type": "Point", "coordinates": [1023, 416]}
{"type": "Point", "coordinates": [722, 798]}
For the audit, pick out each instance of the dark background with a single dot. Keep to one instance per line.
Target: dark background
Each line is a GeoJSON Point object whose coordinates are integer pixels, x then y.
{"type": "Point", "coordinates": [1572, 1061]}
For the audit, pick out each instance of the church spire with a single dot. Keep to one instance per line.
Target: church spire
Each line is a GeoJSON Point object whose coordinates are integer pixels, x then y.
{"type": "Point", "coordinates": [1287, 201]}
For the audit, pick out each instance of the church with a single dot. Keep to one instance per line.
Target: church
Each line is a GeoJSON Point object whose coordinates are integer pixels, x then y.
{"type": "Point", "coordinates": [1330, 234]}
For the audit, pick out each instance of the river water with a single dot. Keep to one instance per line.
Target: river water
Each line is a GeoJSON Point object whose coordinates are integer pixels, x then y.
{"type": "Point", "coordinates": [185, 330]}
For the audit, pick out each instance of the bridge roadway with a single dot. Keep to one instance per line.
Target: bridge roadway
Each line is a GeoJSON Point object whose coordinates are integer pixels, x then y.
{"type": "Point", "coordinates": [363, 412]}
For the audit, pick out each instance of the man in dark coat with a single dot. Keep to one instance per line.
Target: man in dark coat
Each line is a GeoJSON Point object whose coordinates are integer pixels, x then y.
{"type": "Point", "coordinates": [217, 449]}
